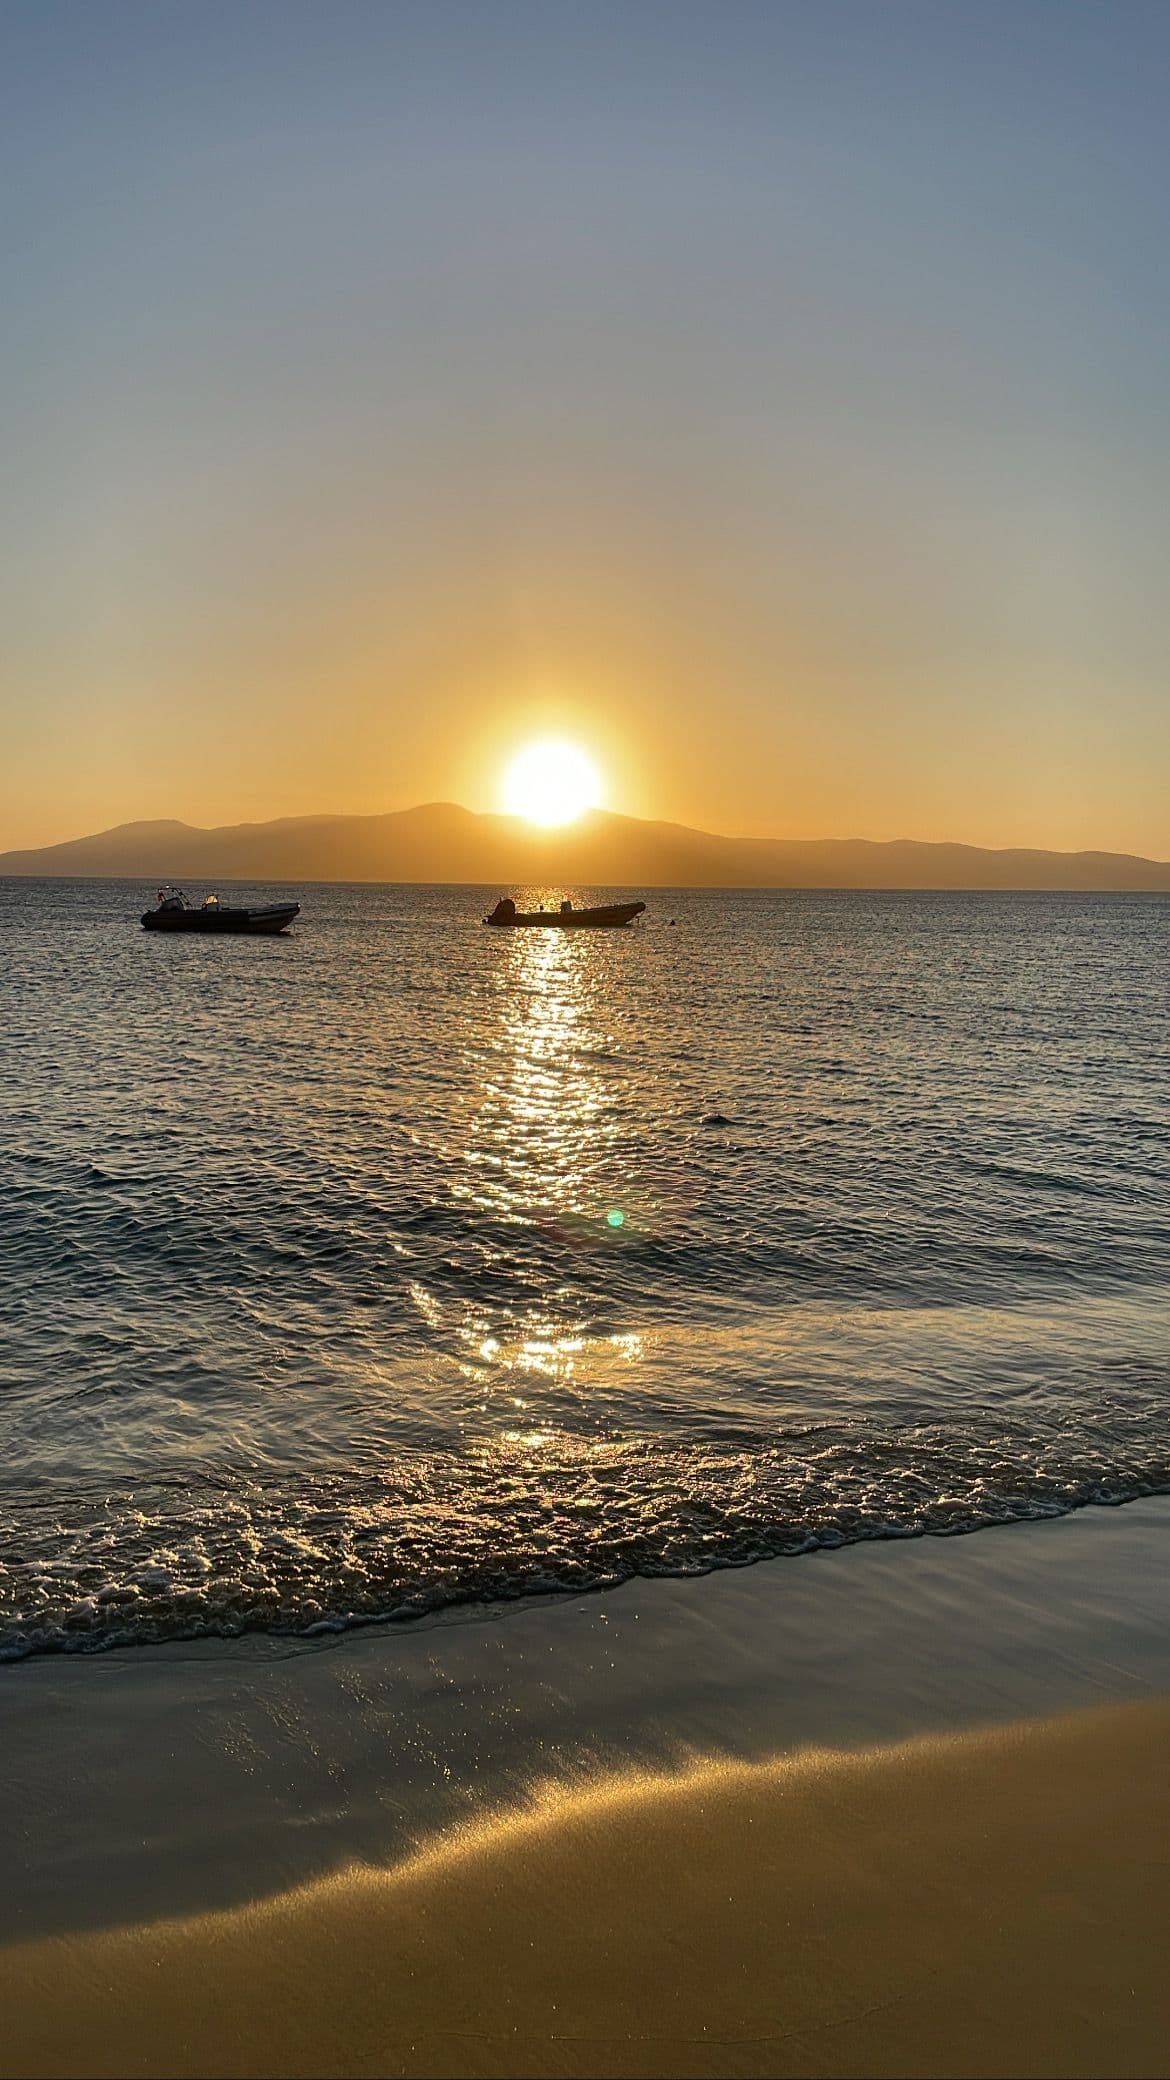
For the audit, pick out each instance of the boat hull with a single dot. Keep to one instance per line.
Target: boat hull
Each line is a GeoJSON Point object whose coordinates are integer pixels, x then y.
{"type": "Point", "coordinates": [275, 917]}
{"type": "Point", "coordinates": [611, 918]}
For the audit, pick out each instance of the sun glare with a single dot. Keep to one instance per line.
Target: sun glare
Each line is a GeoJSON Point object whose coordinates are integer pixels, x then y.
{"type": "Point", "coordinates": [551, 783]}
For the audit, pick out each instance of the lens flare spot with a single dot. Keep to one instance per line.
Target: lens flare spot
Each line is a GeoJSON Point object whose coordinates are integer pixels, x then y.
{"type": "Point", "coordinates": [616, 1217]}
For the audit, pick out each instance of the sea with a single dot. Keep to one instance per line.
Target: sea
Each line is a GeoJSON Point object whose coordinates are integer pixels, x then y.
{"type": "Point", "coordinates": [398, 1263]}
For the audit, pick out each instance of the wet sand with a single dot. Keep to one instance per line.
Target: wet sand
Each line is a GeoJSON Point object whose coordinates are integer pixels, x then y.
{"type": "Point", "coordinates": [181, 1780]}
{"type": "Point", "coordinates": [987, 1903]}
{"type": "Point", "coordinates": [896, 1809]}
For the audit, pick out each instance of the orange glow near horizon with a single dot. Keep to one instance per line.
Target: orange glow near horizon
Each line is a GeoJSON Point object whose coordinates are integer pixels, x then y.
{"type": "Point", "coordinates": [600, 379]}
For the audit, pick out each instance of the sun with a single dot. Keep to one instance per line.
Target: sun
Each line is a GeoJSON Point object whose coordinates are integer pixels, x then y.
{"type": "Point", "coordinates": [551, 782]}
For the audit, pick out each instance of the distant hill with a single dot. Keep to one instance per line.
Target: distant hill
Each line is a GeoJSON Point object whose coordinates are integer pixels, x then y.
{"type": "Point", "coordinates": [441, 842]}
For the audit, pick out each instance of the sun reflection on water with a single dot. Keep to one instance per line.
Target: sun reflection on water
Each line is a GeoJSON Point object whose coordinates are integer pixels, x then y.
{"type": "Point", "coordinates": [544, 1159]}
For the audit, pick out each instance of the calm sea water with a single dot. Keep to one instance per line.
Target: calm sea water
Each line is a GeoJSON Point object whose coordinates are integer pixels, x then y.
{"type": "Point", "coordinates": [402, 1262]}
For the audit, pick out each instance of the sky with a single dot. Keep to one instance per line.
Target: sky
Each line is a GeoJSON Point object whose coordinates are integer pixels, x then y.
{"type": "Point", "coordinates": [774, 399]}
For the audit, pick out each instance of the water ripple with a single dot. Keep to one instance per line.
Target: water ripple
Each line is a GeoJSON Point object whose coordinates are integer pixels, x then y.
{"type": "Point", "coordinates": [402, 1262]}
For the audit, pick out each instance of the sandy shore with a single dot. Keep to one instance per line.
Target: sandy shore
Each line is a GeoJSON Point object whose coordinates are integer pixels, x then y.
{"type": "Point", "coordinates": [987, 1903]}
{"type": "Point", "coordinates": [182, 1780]}
{"type": "Point", "coordinates": [895, 1809]}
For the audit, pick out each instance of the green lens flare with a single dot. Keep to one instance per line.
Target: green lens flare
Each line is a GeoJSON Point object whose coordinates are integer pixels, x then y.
{"type": "Point", "coordinates": [616, 1217]}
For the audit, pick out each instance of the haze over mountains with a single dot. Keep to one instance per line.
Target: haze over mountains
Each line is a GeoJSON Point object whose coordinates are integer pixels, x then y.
{"type": "Point", "coordinates": [441, 842]}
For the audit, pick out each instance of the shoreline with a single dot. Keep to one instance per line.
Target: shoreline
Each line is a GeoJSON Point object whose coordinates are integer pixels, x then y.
{"type": "Point", "coordinates": [981, 1903]}
{"type": "Point", "coordinates": [144, 1783]}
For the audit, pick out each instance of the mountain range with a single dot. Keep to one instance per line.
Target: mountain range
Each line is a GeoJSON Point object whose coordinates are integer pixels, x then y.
{"type": "Point", "coordinates": [441, 842]}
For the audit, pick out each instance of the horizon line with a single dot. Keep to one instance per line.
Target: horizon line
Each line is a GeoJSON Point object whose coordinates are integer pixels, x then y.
{"type": "Point", "coordinates": [550, 833]}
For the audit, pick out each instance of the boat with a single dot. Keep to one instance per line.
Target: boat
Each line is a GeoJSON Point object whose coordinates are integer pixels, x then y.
{"type": "Point", "coordinates": [176, 914]}
{"type": "Point", "coordinates": [611, 915]}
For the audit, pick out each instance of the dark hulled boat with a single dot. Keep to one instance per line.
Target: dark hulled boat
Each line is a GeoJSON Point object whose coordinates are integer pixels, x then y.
{"type": "Point", "coordinates": [507, 916]}
{"type": "Point", "coordinates": [175, 914]}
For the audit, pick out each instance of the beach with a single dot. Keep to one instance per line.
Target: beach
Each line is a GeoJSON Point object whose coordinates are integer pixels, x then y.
{"type": "Point", "coordinates": [894, 1809]}
{"type": "Point", "coordinates": [982, 1904]}
{"type": "Point", "coordinates": [585, 1507]}
{"type": "Point", "coordinates": [585, 1116]}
